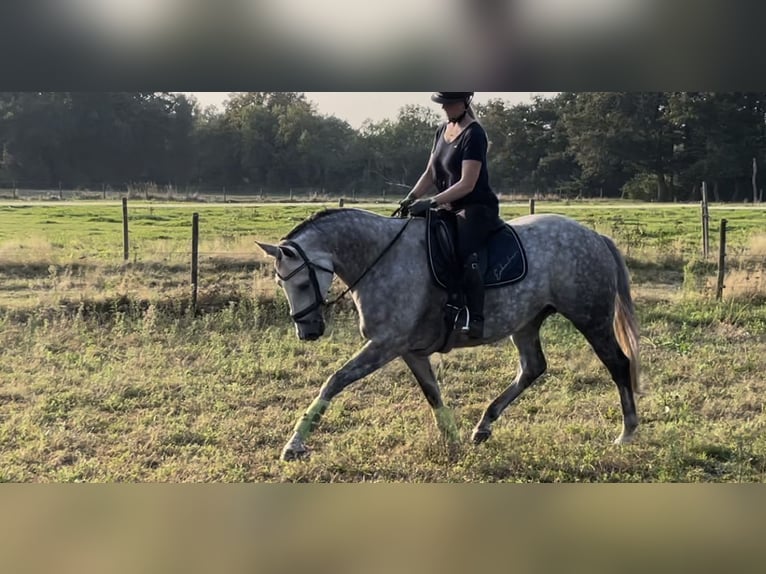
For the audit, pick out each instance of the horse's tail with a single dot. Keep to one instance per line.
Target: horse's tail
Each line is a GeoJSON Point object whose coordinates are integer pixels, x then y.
{"type": "Point", "coordinates": [625, 323]}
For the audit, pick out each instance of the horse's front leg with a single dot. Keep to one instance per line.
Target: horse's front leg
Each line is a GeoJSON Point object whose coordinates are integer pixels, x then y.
{"type": "Point", "coordinates": [369, 359]}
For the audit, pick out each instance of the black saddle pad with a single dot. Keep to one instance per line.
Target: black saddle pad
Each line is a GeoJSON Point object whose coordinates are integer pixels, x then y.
{"type": "Point", "coordinates": [506, 259]}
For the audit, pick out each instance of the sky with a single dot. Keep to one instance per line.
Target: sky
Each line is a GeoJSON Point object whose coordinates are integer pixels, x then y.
{"type": "Point", "coordinates": [355, 107]}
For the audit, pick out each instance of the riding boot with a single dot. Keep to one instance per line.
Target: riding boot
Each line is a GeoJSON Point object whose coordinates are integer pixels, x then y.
{"type": "Point", "coordinates": [473, 286]}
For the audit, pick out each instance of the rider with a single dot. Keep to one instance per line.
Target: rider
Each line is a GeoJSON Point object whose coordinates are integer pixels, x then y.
{"type": "Point", "coordinates": [457, 168]}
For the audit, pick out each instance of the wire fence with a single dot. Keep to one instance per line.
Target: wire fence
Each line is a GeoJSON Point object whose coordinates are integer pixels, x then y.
{"type": "Point", "coordinates": [238, 273]}
{"type": "Point", "coordinates": [384, 192]}
{"type": "Point", "coordinates": [203, 194]}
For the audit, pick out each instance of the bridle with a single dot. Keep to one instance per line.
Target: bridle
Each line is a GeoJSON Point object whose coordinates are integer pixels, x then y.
{"type": "Point", "coordinates": [314, 267]}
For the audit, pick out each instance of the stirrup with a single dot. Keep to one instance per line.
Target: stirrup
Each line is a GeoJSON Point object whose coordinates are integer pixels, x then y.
{"type": "Point", "coordinates": [465, 327]}
{"type": "Point", "coordinates": [454, 311]}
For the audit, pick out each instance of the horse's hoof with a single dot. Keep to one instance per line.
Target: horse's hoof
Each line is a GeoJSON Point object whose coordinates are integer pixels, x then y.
{"type": "Point", "coordinates": [624, 439]}
{"type": "Point", "coordinates": [291, 453]}
{"type": "Point", "coordinates": [480, 435]}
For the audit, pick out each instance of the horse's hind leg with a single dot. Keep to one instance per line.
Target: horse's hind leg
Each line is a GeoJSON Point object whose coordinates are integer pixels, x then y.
{"type": "Point", "coordinates": [445, 421]}
{"type": "Point", "coordinates": [532, 365]}
{"type": "Point", "coordinates": [604, 343]}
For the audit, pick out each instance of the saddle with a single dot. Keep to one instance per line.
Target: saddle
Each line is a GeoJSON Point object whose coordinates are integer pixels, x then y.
{"type": "Point", "coordinates": [502, 260]}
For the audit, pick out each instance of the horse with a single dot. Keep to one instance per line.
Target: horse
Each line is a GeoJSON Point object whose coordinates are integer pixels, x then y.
{"type": "Point", "coordinates": [571, 270]}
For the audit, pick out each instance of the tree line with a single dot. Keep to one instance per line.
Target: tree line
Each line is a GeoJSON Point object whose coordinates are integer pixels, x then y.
{"type": "Point", "coordinates": [656, 146]}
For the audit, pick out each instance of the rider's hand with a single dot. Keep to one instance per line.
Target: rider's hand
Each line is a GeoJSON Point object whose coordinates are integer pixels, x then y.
{"type": "Point", "coordinates": [421, 206]}
{"type": "Point", "coordinates": [407, 201]}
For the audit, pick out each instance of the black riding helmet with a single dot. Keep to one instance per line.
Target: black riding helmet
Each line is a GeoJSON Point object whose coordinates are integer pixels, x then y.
{"type": "Point", "coordinates": [451, 97]}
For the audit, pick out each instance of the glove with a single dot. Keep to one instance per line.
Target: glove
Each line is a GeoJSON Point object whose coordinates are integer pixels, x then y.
{"type": "Point", "coordinates": [421, 206]}
{"type": "Point", "coordinates": [407, 201]}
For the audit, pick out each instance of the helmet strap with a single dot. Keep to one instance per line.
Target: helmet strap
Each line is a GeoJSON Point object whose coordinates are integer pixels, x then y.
{"type": "Point", "coordinates": [459, 119]}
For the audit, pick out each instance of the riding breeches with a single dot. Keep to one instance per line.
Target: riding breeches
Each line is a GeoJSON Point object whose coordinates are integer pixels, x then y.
{"type": "Point", "coordinates": [474, 225]}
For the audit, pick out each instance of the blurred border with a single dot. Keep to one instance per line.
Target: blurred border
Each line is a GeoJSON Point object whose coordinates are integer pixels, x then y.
{"type": "Point", "coordinates": [381, 528]}
{"type": "Point", "coordinates": [492, 45]}
{"type": "Point", "coordinates": [295, 45]}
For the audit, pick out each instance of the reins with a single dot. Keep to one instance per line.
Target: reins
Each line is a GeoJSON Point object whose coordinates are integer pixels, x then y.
{"type": "Point", "coordinates": [313, 267]}
{"type": "Point", "coordinates": [369, 267]}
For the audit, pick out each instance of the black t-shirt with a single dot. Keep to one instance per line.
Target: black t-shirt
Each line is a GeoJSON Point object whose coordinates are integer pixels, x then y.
{"type": "Point", "coordinates": [471, 144]}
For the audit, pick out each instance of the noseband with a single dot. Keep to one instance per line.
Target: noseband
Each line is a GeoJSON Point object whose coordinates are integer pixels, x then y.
{"type": "Point", "coordinates": [312, 267]}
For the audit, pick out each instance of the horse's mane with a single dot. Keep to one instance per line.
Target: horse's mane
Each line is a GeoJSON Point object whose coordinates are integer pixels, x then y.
{"type": "Point", "coordinates": [316, 217]}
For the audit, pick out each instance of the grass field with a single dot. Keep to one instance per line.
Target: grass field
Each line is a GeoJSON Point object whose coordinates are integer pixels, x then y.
{"type": "Point", "coordinates": [105, 376]}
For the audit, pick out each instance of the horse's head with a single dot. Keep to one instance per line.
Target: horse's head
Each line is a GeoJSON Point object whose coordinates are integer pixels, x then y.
{"type": "Point", "coordinates": [305, 279]}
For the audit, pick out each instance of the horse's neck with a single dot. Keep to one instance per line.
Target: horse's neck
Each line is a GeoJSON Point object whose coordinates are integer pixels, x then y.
{"type": "Point", "coordinates": [355, 242]}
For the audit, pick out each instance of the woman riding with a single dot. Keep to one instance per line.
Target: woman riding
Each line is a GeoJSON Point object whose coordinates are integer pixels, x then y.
{"type": "Point", "coordinates": [457, 168]}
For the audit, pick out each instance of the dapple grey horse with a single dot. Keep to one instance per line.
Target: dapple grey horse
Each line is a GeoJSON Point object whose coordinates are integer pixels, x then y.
{"type": "Point", "coordinates": [572, 270]}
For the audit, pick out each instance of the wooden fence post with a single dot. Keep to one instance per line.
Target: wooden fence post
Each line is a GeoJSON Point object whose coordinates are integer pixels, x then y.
{"type": "Point", "coordinates": [125, 254]}
{"type": "Point", "coordinates": [195, 260]}
{"type": "Point", "coordinates": [705, 223]}
{"type": "Point", "coordinates": [721, 261]}
{"type": "Point", "coordinates": [531, 206]}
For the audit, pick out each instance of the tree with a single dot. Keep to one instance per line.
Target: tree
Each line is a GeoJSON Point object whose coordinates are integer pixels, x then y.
{"type": "Point", "coordinates": [33, 130]}
{"type": "Point", "coordinates": [616, 135]}
{"type": "Point", "coordinates": [180, 144]}
{"type": "Point", "coordinates": [646, 144]}
{"type": "Point", "coordinates": [528, 146]}
{"type": "Point", "coordinates": [397, 151]}
{"type": "Point", "coordinates": [217, 143]}
{"type": "Point", "coordinates": [719, 134]}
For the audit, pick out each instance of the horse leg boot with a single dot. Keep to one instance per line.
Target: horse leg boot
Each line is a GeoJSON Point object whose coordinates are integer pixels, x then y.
{"type": "Point", "coordinates": [369, 359]}
{"type": "Point", "coordinates": [473, 285]}
{"type": "Point", "coordinates": [424, 374]}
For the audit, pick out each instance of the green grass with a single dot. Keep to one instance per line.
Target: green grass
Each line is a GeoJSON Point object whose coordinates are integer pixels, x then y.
{"type": "Point", "coordinates": [105, 376]}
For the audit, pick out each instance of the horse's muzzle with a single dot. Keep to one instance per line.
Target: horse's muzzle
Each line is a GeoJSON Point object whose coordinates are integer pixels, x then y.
{"type": "Point", "coordinates": [310, 330]}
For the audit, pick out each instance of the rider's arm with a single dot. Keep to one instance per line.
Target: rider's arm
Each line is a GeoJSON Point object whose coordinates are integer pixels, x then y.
{"type": "Point", "coordinates": [425, 183]}
{"type": "Point", "coordinates": [468, 178]}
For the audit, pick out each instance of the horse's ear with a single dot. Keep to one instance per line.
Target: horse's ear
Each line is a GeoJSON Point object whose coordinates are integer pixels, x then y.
{"type": "Point", "coordinates": [272, 250]}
